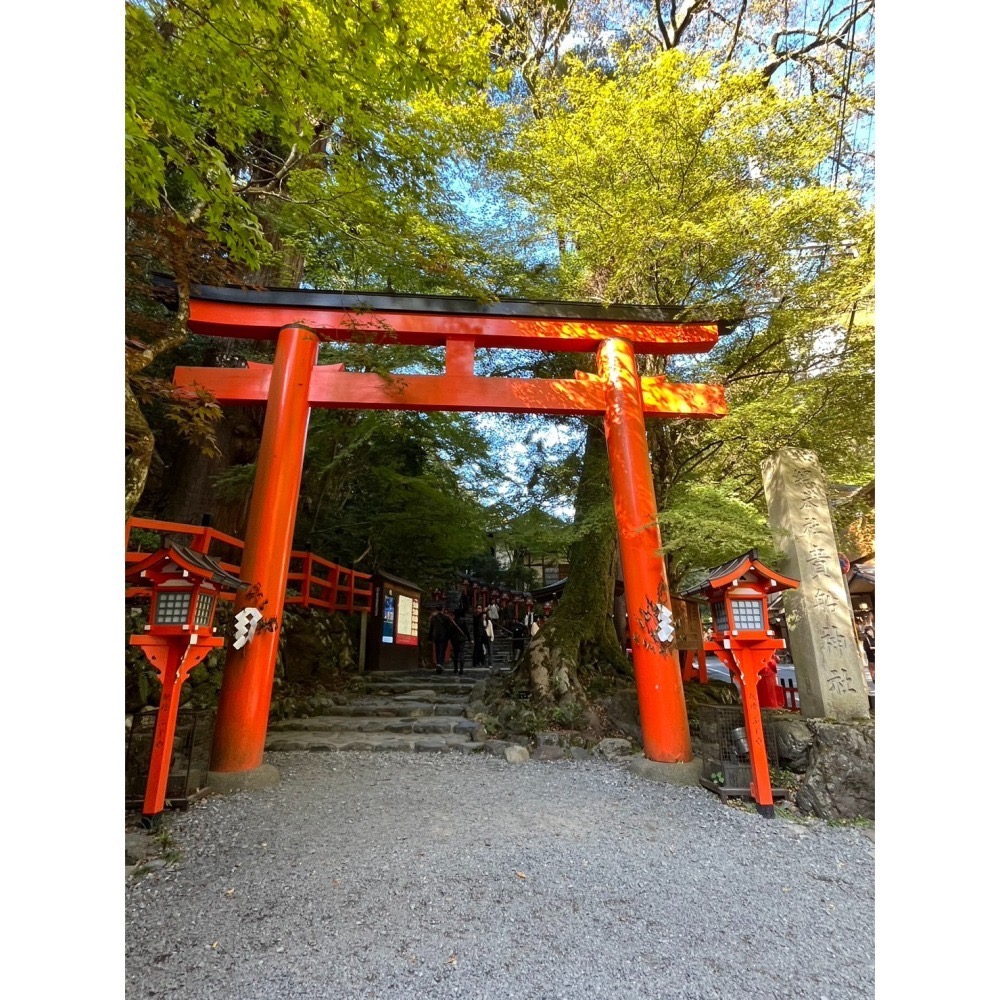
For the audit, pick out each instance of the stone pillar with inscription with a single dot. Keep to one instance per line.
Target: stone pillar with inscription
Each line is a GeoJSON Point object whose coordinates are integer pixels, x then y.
{"type": "Point", "coordinates": [821, 636]}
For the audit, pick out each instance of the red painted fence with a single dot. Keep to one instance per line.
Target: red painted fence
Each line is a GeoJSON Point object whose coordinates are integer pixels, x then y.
{"type": "Point", "coordinates": [312, 582]}
{"type": "Point", "coordinates": [790, 693]}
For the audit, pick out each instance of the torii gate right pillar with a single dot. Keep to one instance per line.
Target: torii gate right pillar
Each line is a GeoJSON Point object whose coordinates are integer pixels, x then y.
{"type": "Point", "coordinates": [660, 690]}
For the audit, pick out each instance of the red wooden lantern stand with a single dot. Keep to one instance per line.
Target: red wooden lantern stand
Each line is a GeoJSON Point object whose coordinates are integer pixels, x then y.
{"type": "Point", "coordinates": [186, 585]}
{"type": "Point", "coordinates": [742, 638]}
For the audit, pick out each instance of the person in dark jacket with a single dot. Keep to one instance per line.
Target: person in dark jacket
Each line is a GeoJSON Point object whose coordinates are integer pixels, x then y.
{"type": "Point", "coordinates": [437, 633]}
{"type": "Point", "coordinates": [457, 638]}
{"type": "Point", "coordinates": [518, 631]}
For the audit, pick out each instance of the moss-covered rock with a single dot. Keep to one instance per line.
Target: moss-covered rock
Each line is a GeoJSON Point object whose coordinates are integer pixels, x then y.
{"type": "Point", "coordinates": [316, 646]}
{"type": "Point", "coordinates": [317, 654]}
{"type": "Point", "coordinates": [839, 782]}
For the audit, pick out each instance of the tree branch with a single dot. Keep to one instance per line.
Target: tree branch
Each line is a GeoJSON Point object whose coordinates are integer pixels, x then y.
{"type": "Point", "coordinates": [821, 36]}
{"type": "Point", "coordinates": [253, 186]}
{"type": "Point", "coordinates": [775, 371]}
{"type": "Point", "coordinates": [736, 31]}
{"type": "Point", "coordinates": [702, 455]}
{"type": "Point", "coordinates": [680, 20]}
{"type": "Point", "coordinates": [136, 359]}
{"type": "Point", "coordinates": [749, 360]}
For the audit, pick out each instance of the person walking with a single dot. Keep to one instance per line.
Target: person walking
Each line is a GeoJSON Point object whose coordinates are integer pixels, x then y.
{"type": "Point", "coordinates": [518, 631]}
{"type": "Point", "coordinates": [479, 638]}
{"type": "Point", "coordinates": [457, 637]}
{"type": "Point", "coordinates": [490, 636]}
{"type": "Point", "coordinates": [868, 640]}
{"type": "Point", "coordinates": [437, 633]}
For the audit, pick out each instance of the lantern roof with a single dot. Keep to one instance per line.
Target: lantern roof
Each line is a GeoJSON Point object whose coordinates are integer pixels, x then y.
{"type": "Point", "coordinates": [746, 566]}
{"type": "Point", "coordinates": [195, 563]}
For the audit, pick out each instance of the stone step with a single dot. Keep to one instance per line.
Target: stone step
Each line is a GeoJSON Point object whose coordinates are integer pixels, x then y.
{"type": "Point", "coordinates": [429, 673]}
{"type": "Point", "coordinates": [434, 681]}
{"type": "Point", "coordinates": [430, 678]}
{"type": "Point", "coordinates": [401, 706]}
{"type": "Point", "coordinates": [436, 724]}
{"type": "Point", "coordinates": [396, 687]}
{"type": "Point", "coordinates": [376, 742]}
{"type": "Point", "coordinates": [455, 696]}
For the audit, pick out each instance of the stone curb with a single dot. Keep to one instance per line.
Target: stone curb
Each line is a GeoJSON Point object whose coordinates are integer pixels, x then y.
{"type": "Point", "coordinates": [226, 782]}
{"type": "Point", "coordinates": [684, 774]}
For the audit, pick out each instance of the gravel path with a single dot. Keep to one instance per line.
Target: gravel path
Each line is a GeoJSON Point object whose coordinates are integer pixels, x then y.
{"type": "Point", "coordinates": [444, 875]}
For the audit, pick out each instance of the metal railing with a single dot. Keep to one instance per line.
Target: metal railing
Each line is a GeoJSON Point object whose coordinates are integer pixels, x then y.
{"type": "Point", "coordinates": [189, 760]}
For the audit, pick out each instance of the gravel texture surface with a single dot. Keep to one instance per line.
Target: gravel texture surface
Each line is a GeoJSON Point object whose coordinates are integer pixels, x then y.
{"type": "Point", "coordinates": [445, 875]}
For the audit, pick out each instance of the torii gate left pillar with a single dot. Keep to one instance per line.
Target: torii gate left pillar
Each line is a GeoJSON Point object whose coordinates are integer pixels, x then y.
{"type": "Point", "coordinates": [300, 320]}
{"type": "Point", "coordinates": [245, 697]}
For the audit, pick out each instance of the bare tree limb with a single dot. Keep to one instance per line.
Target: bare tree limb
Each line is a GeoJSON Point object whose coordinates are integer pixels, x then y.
{"type": "Point", "coordinates": [680, 19]}
{"type": "Point", "coordinates": [702, 455]}
{"type": "Point", "coordinates": [821, 36]}
{"type": "Point", "coordinates": [750, 359]}
{"type": "Point", "coordinates": [253, 186]}
{"type": "Point", "coordinates": [736, 31]}
{"type": "Point", "coordinates": [776, 371]}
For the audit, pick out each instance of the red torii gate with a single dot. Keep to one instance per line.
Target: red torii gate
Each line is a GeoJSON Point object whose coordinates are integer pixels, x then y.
{"type": "Point", "coordinates": [300, 320]}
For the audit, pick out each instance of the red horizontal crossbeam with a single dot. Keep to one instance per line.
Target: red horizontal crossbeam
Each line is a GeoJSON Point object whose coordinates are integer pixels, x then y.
{"type": "Point", "coordinates": [333, 388]}
{"type": "Point", "coordinates": [263, 322]}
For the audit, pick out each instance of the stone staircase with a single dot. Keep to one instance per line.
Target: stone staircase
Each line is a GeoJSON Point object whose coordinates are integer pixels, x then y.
{"type": "Point", "coordinates": [505, 647]}
{"type": "Point", "coordinates": [413, 711]}
{"type": "Point", "coordinates": [417, 710]}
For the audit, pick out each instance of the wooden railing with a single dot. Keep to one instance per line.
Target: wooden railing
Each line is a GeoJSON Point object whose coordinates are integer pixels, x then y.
{"type": "Point", "coordinates": [312, 582]}
{"type": "Point", "coordinates": [790, 693]}
{"type": "Point", "coordinates": [318, 583]}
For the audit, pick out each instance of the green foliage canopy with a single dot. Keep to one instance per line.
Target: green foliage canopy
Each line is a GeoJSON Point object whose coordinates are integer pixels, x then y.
{"type": "Point", "coordinates": [251, 118]}
{"type": "Point", "coordinates": [682, 184]}
{"type": "Point", "coordinates": [672, 180]}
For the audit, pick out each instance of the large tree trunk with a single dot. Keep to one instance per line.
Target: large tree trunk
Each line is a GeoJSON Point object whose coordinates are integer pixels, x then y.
{"type": "Point", "coordinates": [139, 444]}
{"type": "Point", "coordinates": [192, 494]}
{"type": "Point", "coordinates": [579, 641]}
{"type": "Point", "coordinates": [140, 441]}
{"type": "Point", "coordinates": [190, 483]}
